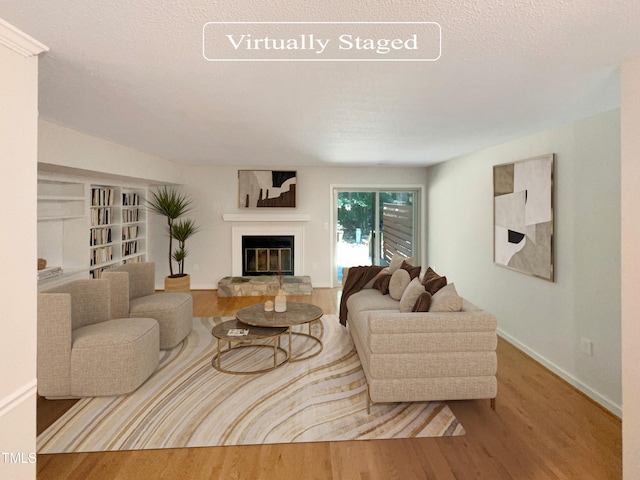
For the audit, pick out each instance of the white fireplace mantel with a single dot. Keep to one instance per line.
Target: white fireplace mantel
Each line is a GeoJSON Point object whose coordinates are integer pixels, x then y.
{"type": "Point", "coordinates": [266, 217]}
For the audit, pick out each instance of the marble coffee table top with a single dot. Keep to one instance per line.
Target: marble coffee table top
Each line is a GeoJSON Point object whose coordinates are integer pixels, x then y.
{"type": "Point", "coordinates": [296, 314]}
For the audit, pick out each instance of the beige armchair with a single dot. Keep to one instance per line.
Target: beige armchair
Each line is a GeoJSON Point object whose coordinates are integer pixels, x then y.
{"type": "Point", "coordinates": [83, 352]}
{"type": "Point", "coordinates": [172, 310]}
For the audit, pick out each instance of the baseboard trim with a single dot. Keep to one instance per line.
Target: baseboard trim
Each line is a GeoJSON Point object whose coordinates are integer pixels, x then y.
{"type": "Point", "coordinates": [601, 400]}
{"type": "Point", "coordinates": [16, 398]}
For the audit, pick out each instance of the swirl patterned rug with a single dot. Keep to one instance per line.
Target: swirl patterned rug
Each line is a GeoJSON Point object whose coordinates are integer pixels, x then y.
{"type": "Point", "coordinates": [187, 403]}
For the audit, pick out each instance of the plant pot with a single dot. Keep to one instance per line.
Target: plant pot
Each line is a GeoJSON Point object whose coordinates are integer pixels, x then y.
{"type": "Point", "coordinates": [178, 284]}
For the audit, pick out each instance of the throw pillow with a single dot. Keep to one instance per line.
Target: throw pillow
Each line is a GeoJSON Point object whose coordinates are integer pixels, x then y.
{"type": "Point", "coordinates": [413, 271]}
{"type": "Point", "coordinates": [423, 303]}
{"type": "Point", "coordinates": [396, 262]}
{"type": "Point", "coordinates": [410, 295]}
{"type": "Point", "coordinates": [433, 282]}
{"type": "Point", "coordinates": [398, 283]}
{"type": "Point", "coordinates": [382, 282]}
{"type": "Point", "coordinates": [446, 300]}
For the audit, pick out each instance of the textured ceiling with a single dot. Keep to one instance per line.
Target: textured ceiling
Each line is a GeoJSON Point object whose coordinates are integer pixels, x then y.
{"type": "Point", "coordinates": [132, 71]}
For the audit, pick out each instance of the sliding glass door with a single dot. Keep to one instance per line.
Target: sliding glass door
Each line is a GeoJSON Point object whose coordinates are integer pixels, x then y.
{"type": "Point", "coordinates": [373, 224]}
{"type": "Point", "coordinates": [355, 229]}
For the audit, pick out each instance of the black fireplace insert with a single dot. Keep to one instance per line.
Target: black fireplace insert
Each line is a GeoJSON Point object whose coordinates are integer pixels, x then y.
{"type": "Point", "coordinates": [267, 255]}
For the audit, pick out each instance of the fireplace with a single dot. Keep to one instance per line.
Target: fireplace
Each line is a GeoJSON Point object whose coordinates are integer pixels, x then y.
{"type": "Point", "coordinates": [267, 255]}
{"type": "Point", "coordinates": [267, 229]}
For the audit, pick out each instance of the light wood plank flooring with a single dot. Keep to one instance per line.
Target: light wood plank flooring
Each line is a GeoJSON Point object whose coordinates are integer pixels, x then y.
{"type": "Point", "coordinates": [542, 429]}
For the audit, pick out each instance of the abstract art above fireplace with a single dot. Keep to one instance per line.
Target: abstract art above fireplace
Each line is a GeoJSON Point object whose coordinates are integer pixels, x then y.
{"type": "Point", "coordinates": [267, 188]}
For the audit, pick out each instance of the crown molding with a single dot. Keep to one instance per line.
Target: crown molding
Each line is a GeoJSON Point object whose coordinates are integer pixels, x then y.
{"type": "Point", "coordinates": [19, 41]}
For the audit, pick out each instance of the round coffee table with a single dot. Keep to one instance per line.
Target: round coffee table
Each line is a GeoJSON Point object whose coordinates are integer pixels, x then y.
{"type": "Point", "coordinates": [224, 333]}
{"type": "Point", "coordinates": [296, 314]}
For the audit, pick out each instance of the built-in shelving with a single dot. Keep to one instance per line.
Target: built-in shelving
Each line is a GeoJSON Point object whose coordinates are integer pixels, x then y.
{"type": "Point", "coordinates": [71, 209]}
{"type": "Point", "coordinates": [117, 227]}
{"type": "Point", "coordinates": [62, 216]}
{"type": "Point", "coordinates": [58, 200]}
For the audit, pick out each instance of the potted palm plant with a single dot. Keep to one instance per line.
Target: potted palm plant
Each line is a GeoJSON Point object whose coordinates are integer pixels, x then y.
{"type": "Point", "coordinates": [171, 204]}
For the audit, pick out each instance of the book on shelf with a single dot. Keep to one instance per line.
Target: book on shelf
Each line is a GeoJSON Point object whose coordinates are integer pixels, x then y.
{"type": "Point", "coordinates": [129, 215]}
{"type": "Point", "coordinates": [100, 216]}
{"type": "Point", "coordinates": [101, 255]}
{"type": "Point", "coordinates": [130, 233]}
{"type": "Point", "coordinates": [101, 196]}
{"type": "Point", "coordinates": [130, 199]}
{"type": "Point", "coordinates": [129, 248]}
{"type": "Point", "coordinates": [100, 236]}
{"type": "Point", "coordinates": [137, 259]}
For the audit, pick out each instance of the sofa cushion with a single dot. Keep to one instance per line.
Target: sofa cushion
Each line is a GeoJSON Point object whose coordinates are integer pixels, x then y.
{"type": "Point", "coordinates": [446, 300]}
{"type": "Point", "coordinates": [370, 300]}
{"type": "Point", "coordinates": [394, 322]}
{"type": "Point", "coordinates": [398, 283]}
{"type": "Point", "coordinates": [172, 310]}
{"type": "Point", "coordinates": [422, 303]}
{"type": "Point", "coordinates": [432, 281]}
{"type": "Point", "coordinates": [381, 282]}
{"type": "Point", "coordinates": [410, 295]}
{"type": "Point", "coordinates": [113, 357]}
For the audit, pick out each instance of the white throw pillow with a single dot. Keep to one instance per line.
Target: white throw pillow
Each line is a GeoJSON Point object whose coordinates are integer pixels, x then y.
{"type": "Point", "coordinates": [410, 295]}
{"type": "Point", "coordinates": [398, 283]}
{"type": "Point", "coordinates": [396, 262]}
{"type": "Point", "coordinates": [446, 300]}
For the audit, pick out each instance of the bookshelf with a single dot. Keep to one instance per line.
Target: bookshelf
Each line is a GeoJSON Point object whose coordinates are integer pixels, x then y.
{"type": "Point", "coordinates": [72, 210]}
{"type": "Point", "coordinates": [117, 232]}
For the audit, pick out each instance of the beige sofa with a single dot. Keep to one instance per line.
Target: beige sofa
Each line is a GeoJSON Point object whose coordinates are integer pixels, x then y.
{"type": "Point", "coordinates": [423, 356]}
{"type": "Point", "coordinates": [83, 351]}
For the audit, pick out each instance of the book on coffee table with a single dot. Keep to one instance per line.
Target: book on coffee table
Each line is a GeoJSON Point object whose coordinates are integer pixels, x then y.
{"type": "Point", "coordinates": [237, 332]}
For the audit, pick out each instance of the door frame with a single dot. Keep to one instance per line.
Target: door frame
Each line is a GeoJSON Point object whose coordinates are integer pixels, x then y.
{"type": "Point", "coordinates": [420, 228]}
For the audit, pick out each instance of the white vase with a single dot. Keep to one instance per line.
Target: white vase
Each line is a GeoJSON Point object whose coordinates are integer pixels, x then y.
{"type": "Point", "coordinates": [280, 302]}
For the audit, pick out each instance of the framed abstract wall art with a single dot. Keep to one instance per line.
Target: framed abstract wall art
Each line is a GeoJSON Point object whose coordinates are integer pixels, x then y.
{"type": "Point", "coordinates": [267, 188]}
{"type": "Point", "coordinates": [523, 216]}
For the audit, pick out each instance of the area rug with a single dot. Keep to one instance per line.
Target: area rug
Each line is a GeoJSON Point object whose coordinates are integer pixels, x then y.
{"type": "Point", "coordinates": [187, 403]}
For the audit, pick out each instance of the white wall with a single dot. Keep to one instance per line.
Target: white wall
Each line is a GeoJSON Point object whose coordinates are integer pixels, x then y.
{"type": "Point", "coordinates": [18, 151]}
{"type": "Point", "coordinates": [546, 320]}
{"type": "Point", "coordinates": [630, 113]}
{"type": "Point", "coordinates": [215, 192]}
{"type": "Point", "coordinates": [65, 147]}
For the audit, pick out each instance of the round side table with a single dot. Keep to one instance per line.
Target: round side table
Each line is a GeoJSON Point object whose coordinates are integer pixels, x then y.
{"type": "Point", "coordinates": [223, 332]}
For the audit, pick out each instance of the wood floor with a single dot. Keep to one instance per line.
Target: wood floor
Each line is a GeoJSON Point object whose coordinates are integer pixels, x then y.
{"type": "Point", "coordinates": [542, 429]}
